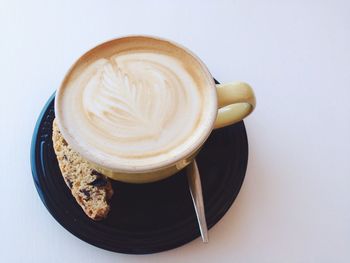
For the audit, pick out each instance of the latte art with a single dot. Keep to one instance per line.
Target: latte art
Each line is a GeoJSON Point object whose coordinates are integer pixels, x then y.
{"type": "Point", "coordinates": [139, 99]}
{"type": "Point", "coordinates": [136, 103]}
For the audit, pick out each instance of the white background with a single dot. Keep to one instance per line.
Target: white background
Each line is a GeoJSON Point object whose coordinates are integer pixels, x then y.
{"type": "Point", "coordinates": [294, 205]}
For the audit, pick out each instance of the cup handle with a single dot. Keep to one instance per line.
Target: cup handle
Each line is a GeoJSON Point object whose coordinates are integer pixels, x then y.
{"type": "Point", "coordinates": [235, 102]}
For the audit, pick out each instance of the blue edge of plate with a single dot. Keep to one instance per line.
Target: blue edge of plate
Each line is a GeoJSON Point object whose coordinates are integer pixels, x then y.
{"type": "Point", "coordinates": [32, 150]}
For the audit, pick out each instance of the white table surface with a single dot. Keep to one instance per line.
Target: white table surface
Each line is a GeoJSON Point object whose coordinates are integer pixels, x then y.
{"type": "Point", "coordinates": [294, 205]}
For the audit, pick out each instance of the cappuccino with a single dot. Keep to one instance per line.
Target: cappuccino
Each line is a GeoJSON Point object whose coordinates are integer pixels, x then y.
{"type": "Point", "coordinates": [135, 103]}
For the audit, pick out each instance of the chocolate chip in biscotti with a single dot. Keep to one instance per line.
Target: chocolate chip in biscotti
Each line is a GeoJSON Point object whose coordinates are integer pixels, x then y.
{"type": "Point", "coordinates": [64, 142]}
{"type": "Point", "coordinates": [86, 193]}
{"type": "Point", "coordinates": [99, 181]}
{"type": "Point", "coordinates": [97, 174]}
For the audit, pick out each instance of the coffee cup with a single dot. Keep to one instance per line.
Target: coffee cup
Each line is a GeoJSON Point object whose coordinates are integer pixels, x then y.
{"type": "Point", "coordinates": [139, 108]}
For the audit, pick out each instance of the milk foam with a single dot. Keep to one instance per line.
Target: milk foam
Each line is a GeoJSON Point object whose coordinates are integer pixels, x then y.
{"type": "Point", "coordinates": [134, 107]}
{"type": "Point", "coordinates": [138, 104]}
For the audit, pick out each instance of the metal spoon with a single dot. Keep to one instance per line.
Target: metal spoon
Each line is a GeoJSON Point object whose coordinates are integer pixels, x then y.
{"type": "Point", "coordinates": [194, 182]}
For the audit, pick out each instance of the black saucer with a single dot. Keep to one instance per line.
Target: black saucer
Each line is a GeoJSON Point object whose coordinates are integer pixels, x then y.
{"type": "Point", "coordinates": [145, 218]}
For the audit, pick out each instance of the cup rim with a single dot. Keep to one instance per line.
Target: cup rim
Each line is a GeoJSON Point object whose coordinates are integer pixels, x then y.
{"type": "Point", "coordinates": [206, 128]}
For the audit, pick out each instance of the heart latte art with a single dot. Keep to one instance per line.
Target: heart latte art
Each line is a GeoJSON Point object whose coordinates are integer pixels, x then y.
{"type": "Point", "coordinates": [133, 106]}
